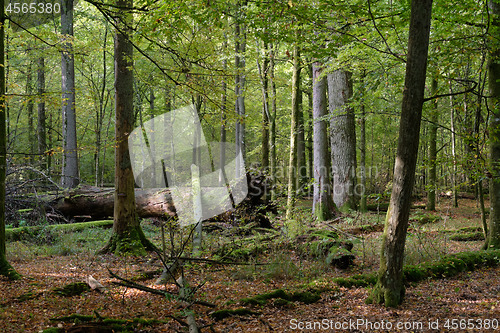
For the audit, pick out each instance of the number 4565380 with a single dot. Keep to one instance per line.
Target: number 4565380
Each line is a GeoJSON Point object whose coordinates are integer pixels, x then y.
{"type": "Point", "coordinates": [33, 8]}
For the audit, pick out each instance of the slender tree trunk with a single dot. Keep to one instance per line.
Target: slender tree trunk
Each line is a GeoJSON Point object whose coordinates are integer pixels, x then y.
{"type": "Point", "coordinates": [390, 289]}
{"type": "Point", "coordinates": [5, 268]}
{"type": "Point", "coordinates": [41, 127]}
{"type": "Point", "coordinates": [477, 124]}
{"type": "Point", "coordinates": [272, 125]}
{"type": "Point", "coordinates": [100, 112]}
{"type": "Point", "coordinates": [323, 207]}
{"type": "Point", "coordinates": [292, 170]}
{"type": "Point", "coordinates": [264, 81]}
{"type": "Point", "coordinates": [240, 48]}
{"type": "Point", "coordinates": [127, 236]}
{"type": "Point", "coordinates": [222, 153]}
{"type": "Point", "coordinates": [309, 127]}
{"type": "Point", "coordinates": [343, 140]}
{"type": "Point", "coordinates": [30, 109]}
{"type": "Point", "coordinates": [431, 192]}
{"type": "Point", "coordinates": [70, 177]}
{"type": "Point", "coordinates": [362, 146]}
{"type": "Point", "coordinates": [301, 147]}
{"type": "Point", "coordinates": [453, 151]}
{"type": "Point", "coordinates": [493, 241]}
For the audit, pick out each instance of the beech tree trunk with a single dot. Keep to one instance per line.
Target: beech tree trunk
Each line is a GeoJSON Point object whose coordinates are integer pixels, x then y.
{"type": "Point", "coordinates": [239, 62]}
{"type": "Point", "coordinates": [127, 237]}
{"type": "Point", "coordinates": [323, 207]}
{"type": "Point", "coordinates": [292, 164]}
{"type": "Point", "coordinates": [433, 125]}
{"type": "Point", "coordinates": [362, 146]}
{"type": "Point", "coordinates": [70, 177]}
{"type": "Point", "coordinates": [272, 126]}
{"type": "Point", "coordinates": [5, 268]}
{"type": "Point", "coordinates": [493, 241]}
{"type": "Point", "coordinates": [41, 127]}
{"type": "Point", "coordinates": [343, 140]}
{"type": "Point", "coordinates": [390, 289]}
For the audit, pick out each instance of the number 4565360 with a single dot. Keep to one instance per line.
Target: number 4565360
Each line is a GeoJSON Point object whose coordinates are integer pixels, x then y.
{"type": "Point", "coordinates": [33, 8]}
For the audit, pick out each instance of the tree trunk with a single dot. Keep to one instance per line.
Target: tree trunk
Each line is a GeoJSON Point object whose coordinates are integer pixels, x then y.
{"type": "Point", "coordinates": [30, 112]}
{"type": "Point", "coordinates": [390, 288]}
{"type": "Point", "coordinates": [323, 207]}
{"type": "Point", "coordinates": [493, 241]}
{"type": "Point", "coordinates": [301, 146]}
{"type": "Point", "coordinates": [433, 125]}
{"type": "Point", "coordinates": [264, 81]}
{"type": "Point", "coordinates": [99, 202]}
{"type": "Point", "coordinates": [453, 152]}
{"type": "Point", "coordinates": [239, 62]}
{"type": "Point", "coordinates": [272, 126]}
{"type": "Point", "coordinates": [127, 237]}
{"type": "Point", "coordinates": [41, 127]}
{"type": "Point", "coordinates": [5, 268]}
{"type": "Point", "coordinates": [292, 170]}
{"type": "Point", "coordinates": [343, 140]}
{"type": "Point", "coordinates": [362, 146]}
{"type": "Point", "coordinates": [70, 177]}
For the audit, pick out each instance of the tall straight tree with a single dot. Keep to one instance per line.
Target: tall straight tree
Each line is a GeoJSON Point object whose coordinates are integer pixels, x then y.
{"type": "Point", "coordinates": [5, 268]}
{"type": "Point", "coordinates": [323, 207]}
{"type": "Point", "coordinates": [70, 177]}
{"type": "Point", "coordinates": [41, 129]}
{"type": "Point", "coordinates": [127, 236]}
{"type": "Point", "coordinates": [433, 126]}
{"type": "Point", "coordinates": [390, 289]}
{"type": "Point", "coordinates": [493, 240]}
{"type": "Point", "coordinates": [239, 63]}
{"type": "Point", "coordinates": [292, 164]}
{"type": "Point", "coordinates": [343, 139]}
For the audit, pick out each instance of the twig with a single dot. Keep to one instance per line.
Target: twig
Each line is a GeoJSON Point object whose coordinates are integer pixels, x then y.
{"type": "Point", "coordinates": [131, 284]}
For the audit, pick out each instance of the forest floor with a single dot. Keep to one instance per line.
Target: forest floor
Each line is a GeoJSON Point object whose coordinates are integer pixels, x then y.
{"type": "Point", "coordinates": [468, 302]}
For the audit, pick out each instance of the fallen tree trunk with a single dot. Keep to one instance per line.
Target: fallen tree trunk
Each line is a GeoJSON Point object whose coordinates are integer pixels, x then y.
{"type": "Point", "coordinates": [99, 202]}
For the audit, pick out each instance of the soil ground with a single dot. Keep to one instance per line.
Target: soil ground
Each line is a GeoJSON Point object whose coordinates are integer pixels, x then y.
{"type": "Point", "coordinates": [468, 302]}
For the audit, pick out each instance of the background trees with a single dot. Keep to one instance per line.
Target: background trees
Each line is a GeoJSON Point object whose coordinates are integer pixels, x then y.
{"type": "Point", "coordinates": [246, 65]}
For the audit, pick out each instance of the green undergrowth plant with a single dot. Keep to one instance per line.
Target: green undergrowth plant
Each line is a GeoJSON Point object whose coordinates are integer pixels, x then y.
{"type": "Point", "coordinates": [447, 266]}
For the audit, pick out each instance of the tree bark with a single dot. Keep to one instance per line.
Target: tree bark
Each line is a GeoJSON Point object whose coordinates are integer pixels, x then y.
{"type": "Point", "coordinates": [433, 125]}
{"type": "Point", "coordinates": [41, 126]}
{"type": "Point", "coordinates": [390, 289]}
{"type": "Point", "coordinates": [453, 151]}
{"type": "Point", "coordinates": [70, 177]}
{"type": "Point", "coordinates": [5, 268]}
{"type": "Point", "coordinates": [362, 146]}
{"type": "Point", "coordinates": [127, 236]}
{"type": "Point", "coordinates": [493, 241]}
{"type": "Point", "coordinates": [272, 126]}
{"type": "Point", "coordinates": [323, 207]}
{"type": "Point", "coordinates": [292, 170]}
{"type": "Point", "coordinates": [239, 62]}
{"type": "Point", "coordinates": [343, 140]}
{"type": "Point", "coordinates": [264, 81]}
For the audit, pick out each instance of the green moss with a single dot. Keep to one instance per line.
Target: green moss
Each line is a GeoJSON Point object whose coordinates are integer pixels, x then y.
{"type": "Point", "coordinates": [72, 289]}
{"type": "Point", "coordinates": [467, 237]}
{"type": "Point", "coordinates": [27, 233]}
{"type": "Point", "coordinates": [7, 270]}
{"type": "Point", "coordinates": [74, 318]}
{"type": "Point", "coordinates": [306, 297]}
